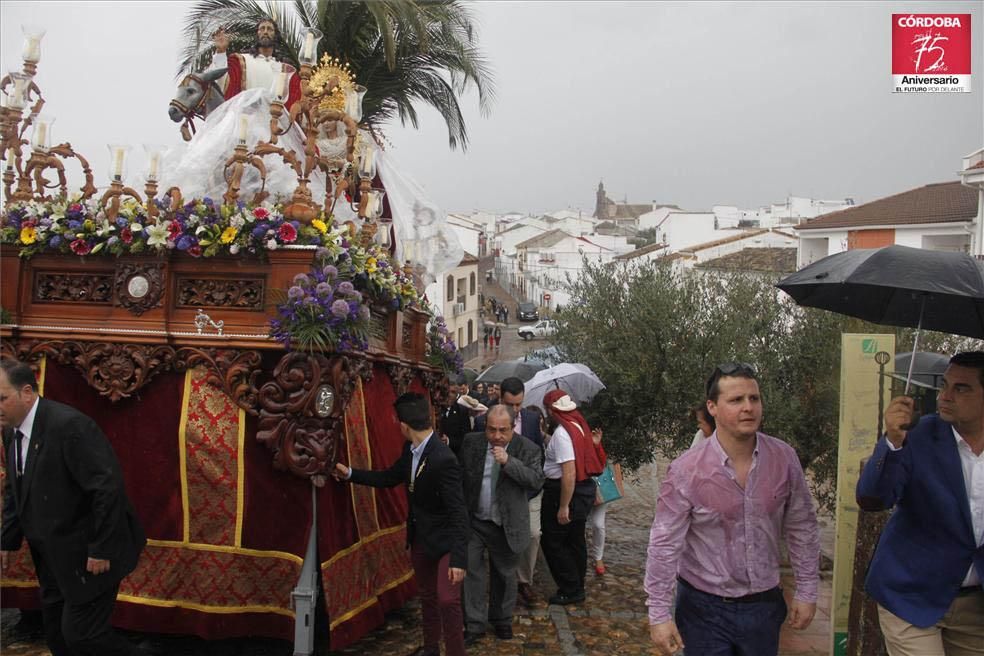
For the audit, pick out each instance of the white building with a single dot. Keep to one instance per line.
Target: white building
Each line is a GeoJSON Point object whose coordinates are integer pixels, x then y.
{"type": "Point", "coordinates": [939, 217]}
{"type": "Point", "coordinates": [679, 229]}
{"type": "Point", "coordinates": [732, 247]}
{"type": "Point", "coordinates": [455, 297]}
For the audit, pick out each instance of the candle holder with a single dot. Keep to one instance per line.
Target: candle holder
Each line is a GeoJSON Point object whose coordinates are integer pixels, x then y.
{"type": "Point", "coordinates": [111, 199]}
{"type": "Point", "coordinates": [235, 166]}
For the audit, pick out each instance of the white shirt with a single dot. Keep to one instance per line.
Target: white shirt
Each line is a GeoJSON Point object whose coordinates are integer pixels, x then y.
{"type": "Point", "coordinates": [26, 427]}
{"type": "Point", "coordinates": [560, 449]}
{"type": "Point", "coordinates": [973, 473]}
{"type": "Point", "coordinates": [415, 453]}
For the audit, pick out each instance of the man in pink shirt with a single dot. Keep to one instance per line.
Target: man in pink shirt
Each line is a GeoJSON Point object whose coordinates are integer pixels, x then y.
{"type": "Point", "coordinates": [722, 510]}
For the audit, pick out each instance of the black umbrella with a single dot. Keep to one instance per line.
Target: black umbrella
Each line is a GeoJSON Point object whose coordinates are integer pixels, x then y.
{"type": "Point", "coordinates": [896, 286]}
{"type": "Point", "coordinates": [502, 370]}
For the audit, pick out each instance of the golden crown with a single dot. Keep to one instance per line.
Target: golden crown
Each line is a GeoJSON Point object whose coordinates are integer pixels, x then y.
{"type": "Point", "coordinates": [330, 82]}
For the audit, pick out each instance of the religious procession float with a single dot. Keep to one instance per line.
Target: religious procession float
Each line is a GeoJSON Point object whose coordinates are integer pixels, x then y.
{"type": "Point", "coordinates": [236, 327]}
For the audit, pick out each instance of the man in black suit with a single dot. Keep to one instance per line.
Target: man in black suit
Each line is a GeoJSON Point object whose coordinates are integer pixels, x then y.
{"type": "Point", "coordinates": [437, 526]}
{"type": "Point", "coordinates": [456, 420]}
{"type": "Point", "coordinates": [500, 469]}
{"type": "Point", "coordinates": [513, 392]}
{"type": "Point", "coordinates": [64, 493]}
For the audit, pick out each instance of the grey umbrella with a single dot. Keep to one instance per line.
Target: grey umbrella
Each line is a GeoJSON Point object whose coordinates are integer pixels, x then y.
{"type": "Point", "coordinates": [502, 370]}
{"type": "Point", "coordinates": [897, 286]}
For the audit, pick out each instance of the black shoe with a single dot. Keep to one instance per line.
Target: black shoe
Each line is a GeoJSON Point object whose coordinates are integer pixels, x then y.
{"type": "Point", "coordinates": [563, 600]}
{"type": "Point", "coordinates": [472, 638]}
{"type": "Point", "coordinates": [503, 631]}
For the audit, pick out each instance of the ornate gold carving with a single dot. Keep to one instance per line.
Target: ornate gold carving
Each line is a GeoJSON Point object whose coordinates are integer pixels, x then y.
{"type": "Point", "coordinates": [401, 376]}
{"type": "Point", "coordinates": [91, 288]}
{"type": "Point", "coordinates": [302, 442]}
{"type": "Point", "coordinates": [436, 383]}
{"type": "Point", "coordinates": [407, 338]}
{"type": "Point", "coordinates": [139, 287]}
{"type": "Point", "coordinates": [234, 372]}
{"type": "Point", "coordinates": [220, 292]}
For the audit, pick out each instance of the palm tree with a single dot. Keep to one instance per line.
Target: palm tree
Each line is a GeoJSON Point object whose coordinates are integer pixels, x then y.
{"type": "Point", "coordinates": [402, 51]}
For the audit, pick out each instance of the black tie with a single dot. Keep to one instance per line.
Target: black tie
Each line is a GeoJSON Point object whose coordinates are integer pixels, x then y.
{"type": "Point", "coordinates": [18, 436]}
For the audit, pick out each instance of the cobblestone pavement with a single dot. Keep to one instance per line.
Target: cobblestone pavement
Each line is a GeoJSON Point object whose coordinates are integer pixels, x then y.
{"type": "Point", "coordinates": [611, 621]}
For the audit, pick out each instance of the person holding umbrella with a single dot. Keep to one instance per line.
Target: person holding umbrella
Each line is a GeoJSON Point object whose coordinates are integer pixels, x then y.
{"type": "Point", "coordinates": [928, 568]}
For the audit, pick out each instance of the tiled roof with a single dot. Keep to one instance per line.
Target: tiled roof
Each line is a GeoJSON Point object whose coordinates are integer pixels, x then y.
{"type": "Point", "coordinates": [726, 240]}
{"type": "Point", "coordinates": [762, 260]}
{"type": "Point", "coordinates": [544, 240]}
{"type": "Point", "coordinates": [979, 165]}
{"type": "Point", "coordinates": [639, 252]}
{"type": "Point", "coordinates": [468, 259]}
{"type": "Point", "coordinates": [942, 202]}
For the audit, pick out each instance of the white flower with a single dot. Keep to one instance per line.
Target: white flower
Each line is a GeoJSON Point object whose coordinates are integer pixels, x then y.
{"type": "Point", "coordinates": [135, 227]}
{"type": "Point", "coordinates": [234, 248]}
{"type": "Point", "coordinates": [105, 227]}
{"type": "Point", "coordinates": [271, 244]}
{"type": "Point", "coordinates": [237, 221]}
{"type": "Point", "coordinates": [157, 234]}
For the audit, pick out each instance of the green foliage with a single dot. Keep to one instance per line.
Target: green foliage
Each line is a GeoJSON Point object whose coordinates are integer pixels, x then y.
{"type": "Point", "coordinates": [654, 336]}
{"type": "Point", "coordinates": [644, 237]}
{"type": "Point", "coordinates": [402, 52]}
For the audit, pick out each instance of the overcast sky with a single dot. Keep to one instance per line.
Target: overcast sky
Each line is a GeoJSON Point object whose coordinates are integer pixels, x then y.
{"type": "Point", "coordinates": [692, 103]}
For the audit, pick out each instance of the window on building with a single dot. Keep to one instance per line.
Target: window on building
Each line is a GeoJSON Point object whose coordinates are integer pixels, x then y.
{"type": "Point", "coordinates": [450, 289]}
{"type": "Point", "coordinates": [471, 286]}
{"type": "Point", "coordinates": [461, 334]}
{"type": "Point", "coordinates": [471, 332]}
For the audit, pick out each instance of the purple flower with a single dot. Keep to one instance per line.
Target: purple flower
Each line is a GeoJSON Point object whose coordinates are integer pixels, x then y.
{"type": "Point", "coordinates": [55, 241]}
{"type": "Point", "coordinates": [186, 242]}
{"type": "Point", "coordinates": [259, 230]}
{"type": "Point", "coordinates": [340, 309]}
{"type": "Point", "coordinates": [74, 224]}
{"type": "Point", "coordinates": [346, 287]}
{"type": "Point", "coordinates": [45, 221]}
{"type": "Point", "coordinates": [330, 271]}
{"type": "Point", "coordinates": [112, 240]}
{"type": "Point", "coordinates": [301, 279]}
{"type": "Point", "coordinates": [295, 292]}
{"type": "Point", "coordinates": [122, 222]}
{"type": "Point", "coordinates": [323, 289]}
{"type": "Point", "coordinates": [321, 252]}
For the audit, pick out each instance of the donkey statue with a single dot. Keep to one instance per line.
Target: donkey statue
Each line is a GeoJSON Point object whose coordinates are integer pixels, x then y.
{"type": "Point", "coordinates": [197, 96]}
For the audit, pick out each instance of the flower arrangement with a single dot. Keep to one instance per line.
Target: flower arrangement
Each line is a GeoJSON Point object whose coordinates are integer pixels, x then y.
{"type": "Point", "coordinates": [201, 228]}
{"type": "Point", "coordinates": [442, 352]}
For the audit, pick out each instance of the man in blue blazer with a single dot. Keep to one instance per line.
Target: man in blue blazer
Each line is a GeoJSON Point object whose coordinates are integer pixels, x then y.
{"type": "Point", "coordinates": [927, 571]}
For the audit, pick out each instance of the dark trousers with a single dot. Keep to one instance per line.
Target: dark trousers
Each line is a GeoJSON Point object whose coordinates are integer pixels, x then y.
{"type": "Point", "coordinates": [72, 629]}
{"type": "Point", "coordinates": [711, 626]}
{"type": "Point", "coordinates": [563, 545]}
{"type": "Point", "coordinates": [440, 603]}
{"type": "Point", "coordinates": [490, 593]}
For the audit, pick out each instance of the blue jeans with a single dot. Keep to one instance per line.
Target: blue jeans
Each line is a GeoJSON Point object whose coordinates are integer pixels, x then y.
{"type": "Point", "coordinates": [711, 626]}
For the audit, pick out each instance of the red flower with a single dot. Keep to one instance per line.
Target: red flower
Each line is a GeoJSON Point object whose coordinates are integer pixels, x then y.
{"type": "Point", "coordinates": [75, 207]}
{"type": "Point", "coordinates": [261, 213]}
{"type": "Point", "coordinates": [287, 233]}
{"type": "Point", "coordinates": [126, 235]}
{"type": "Point", "coordinates": [174, 230]}
{"type": "Point", "coordinates": [80, 247]}
{"type": "Point", "coordinates": [195, 251]}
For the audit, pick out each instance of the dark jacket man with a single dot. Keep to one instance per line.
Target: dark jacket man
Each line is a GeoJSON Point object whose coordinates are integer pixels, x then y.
{"type": "Point", "coordinates": [71, 506]}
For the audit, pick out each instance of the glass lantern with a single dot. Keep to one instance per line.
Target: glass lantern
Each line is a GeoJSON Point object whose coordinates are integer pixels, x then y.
{"type": "Point", "coordinates": [367, 163]}
{"type": "Point", "coordinates": [32, 43]}
{"type": "Point", "coordinates": [41, 137]}
{"type": "Point", "coordinates": [280, 87]}
{"type": "Point", "coordinates": [309, 48]}
{"type": "Point", "coordinates": [353, 102]}
{"type": "Point", "coordinates": [17, 96]}
{"type": "Point", "coordinates": [155, 160]}
{"type": "Point", "coordinates": [374, 206]}
{"type": "Point", "coordinates": [117, 161]}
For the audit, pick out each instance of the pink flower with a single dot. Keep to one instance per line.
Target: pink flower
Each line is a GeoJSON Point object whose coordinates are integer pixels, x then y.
{"type": "Point", "coordinates": [126, 236]}
{"type": "Point", "coordinates": [287, 233]}
{"type": "Point", "coordinates": [261, 213]}
{"type": "Point", "coordinates": [80, 247]}
{"type": "Point", "coordinates": [195, 251]}
{"type": "Point", "coordinates": [174, 230]}
{"type": "Point", "coordinates": [75, 207]}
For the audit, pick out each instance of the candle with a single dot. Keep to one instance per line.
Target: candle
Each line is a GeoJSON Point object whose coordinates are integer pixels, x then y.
{"type": "Point", "coordinates": [154, 163]}
{"type": "Point", "coordinates": [243, 125]}
{"type": "Point", "coordinates": [118, 163]}
{"type": "Point", "coordinates": [281, 84]}
{"type": "Point", "coordinates": [32, 49]}
{"type": "Point", "coordinates": [42, 133]}
{"type": "Point", "coordinates": [367, 162]}
{"type": "Point", "coordinates": [309, 46]}
{"type": "Point", "coordinates": [17, 97]}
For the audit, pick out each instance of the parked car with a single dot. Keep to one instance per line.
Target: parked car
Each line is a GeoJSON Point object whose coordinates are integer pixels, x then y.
{"type": "Point", "coordinates": [527, 312]}
{"type": "Point", "coordinates": [545, 328]}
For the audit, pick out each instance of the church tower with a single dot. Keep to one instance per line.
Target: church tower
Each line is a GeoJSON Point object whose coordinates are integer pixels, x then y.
{"type": "Point", "coordinates": [601, 203]}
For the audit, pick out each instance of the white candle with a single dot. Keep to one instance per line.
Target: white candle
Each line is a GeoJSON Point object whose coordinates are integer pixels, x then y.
{"type": "Point", "coordinates": [118, 163]}
{"type": "Point", "coordinates": [17, 97]}
{"type": "Point", "coordinates": [367, 158]}
{"type": "Point", "coordinates": [42, 133]}
{"type": "Point", "coordinates": [154, 163]}
{"type": "Point", "coordinates": [309, 46]}
{"type": "Point", "coordinates": [281, 84]}
{"type": "Point", "coordinates": [32, 49]}
{"type": "Point", "coordinates": [243, 125]}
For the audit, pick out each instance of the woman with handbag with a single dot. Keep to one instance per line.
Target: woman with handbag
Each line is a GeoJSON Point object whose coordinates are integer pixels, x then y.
{"type": "Point", "coordinates": [609, 484]}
